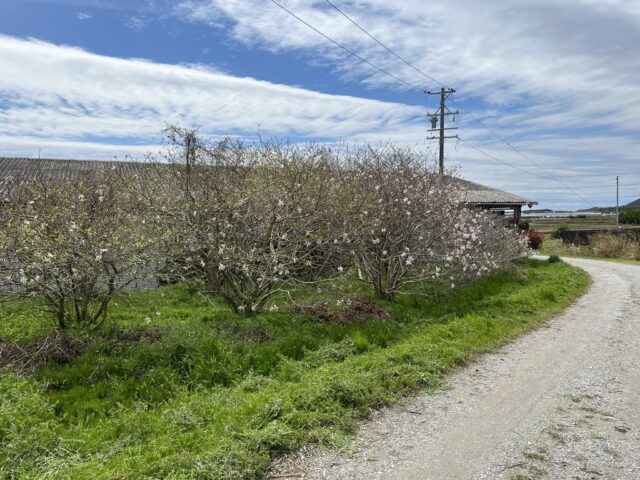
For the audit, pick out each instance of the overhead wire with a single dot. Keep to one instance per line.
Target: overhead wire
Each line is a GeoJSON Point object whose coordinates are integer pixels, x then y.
{"type": "Point", "coordinates": [497, 159]}
{"type": "Point", "coordinates": [346, 49]}
{"type": "Point", "coordinates": [443, 85]}
{"type": "Point", "coordinates": [362, 29]}
{"type": "Point", "coordinates": [413, 86]}
{"type": "Point", "coordinates": [536, 164]}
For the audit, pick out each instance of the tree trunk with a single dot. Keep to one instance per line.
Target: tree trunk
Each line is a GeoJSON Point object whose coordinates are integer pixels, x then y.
{"type": "Point", "coordinates": [60, 314]}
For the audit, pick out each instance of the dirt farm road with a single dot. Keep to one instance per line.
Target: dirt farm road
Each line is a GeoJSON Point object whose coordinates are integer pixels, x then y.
{"type": "Point", "coordinates": [560, 403]}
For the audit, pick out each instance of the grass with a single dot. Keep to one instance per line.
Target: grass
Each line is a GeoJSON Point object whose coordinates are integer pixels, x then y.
{"type": "Point", "coordinates": [554, 246]}
{"type": "Point", "coordinates": [595, 222]}
{"type": "Point", "coordinates": [214, 395]}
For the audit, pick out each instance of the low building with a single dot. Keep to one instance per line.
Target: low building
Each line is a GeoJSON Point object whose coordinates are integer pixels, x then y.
{"type": "Point", "coordinates": [472, 194]}
{"type": "Point", "coordinates": [483, 196]}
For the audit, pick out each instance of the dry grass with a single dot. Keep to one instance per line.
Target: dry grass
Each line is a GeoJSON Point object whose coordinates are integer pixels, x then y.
{"type": "Point", "coordinates": [549, 225]}
{"type": "Point", "coordinates": [616, 246]}
{"type": "Point", "coordinates": [610, 247]}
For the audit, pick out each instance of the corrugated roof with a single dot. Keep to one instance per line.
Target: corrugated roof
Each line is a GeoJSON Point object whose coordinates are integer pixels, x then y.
{"type": "Point", "coordinates": [48, 169]}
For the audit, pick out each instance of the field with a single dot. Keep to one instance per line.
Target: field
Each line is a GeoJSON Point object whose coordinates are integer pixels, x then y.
{"type": "Point", "coordinates": [549, 225]}
{"type": "Point", "coordinates": [603, 250]}
{"type": "Point", "coordinates": [178, 386]}
{"type": "Point", "coordinates": [555, 246]}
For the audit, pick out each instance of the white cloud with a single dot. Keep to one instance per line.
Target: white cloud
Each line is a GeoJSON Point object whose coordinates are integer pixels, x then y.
{"type": "Point", "coordinates": [34, 147]}
{"type": "Point", "coordinates": [57, 91]}
{"type": "Point", "coordinates": [135, 22]}
{"type": "Point", "coordinates": [575, 51]}
{"type": "Point", "coordinates": [556, 78]}
{"type": "Point", "coordinates": [82, 16]}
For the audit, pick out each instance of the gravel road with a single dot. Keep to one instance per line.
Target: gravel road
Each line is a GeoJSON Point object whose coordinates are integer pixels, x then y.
{"type": "Point", "coordinates": [560, 403]}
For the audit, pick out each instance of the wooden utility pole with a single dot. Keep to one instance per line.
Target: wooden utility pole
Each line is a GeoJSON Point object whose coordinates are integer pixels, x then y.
{"type": "Point", "coordinates": [190, 153]}
{"type": "Point", "coordinates": [617, 201]}
{"type": "Point", "coordinates": [439, 117]}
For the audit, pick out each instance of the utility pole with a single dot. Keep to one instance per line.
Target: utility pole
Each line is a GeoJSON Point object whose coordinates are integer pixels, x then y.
{"type": "Point", "coordinates": [617, 201]}
{"type": "Point", "coordinates": [190, 153]}
{"type": "Point", "coordinates": [439, 117]}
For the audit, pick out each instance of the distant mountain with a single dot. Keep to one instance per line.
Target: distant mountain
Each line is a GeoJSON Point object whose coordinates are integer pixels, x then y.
{"type": "Point", "coordinates": [600, 209]}
{"type": "Point", "coordinates": [629, 206]}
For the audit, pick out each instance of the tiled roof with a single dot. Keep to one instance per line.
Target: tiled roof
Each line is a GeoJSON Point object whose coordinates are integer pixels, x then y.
{"type": "Point", "coordinates": [44, 169]}
{"type": "Point", "coordinates": [476, 194]}
{"type": "Point", "coordinates": [49, 168]}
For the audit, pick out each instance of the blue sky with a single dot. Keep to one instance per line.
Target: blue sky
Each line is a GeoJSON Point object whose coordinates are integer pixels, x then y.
{"type": "Point", "coordinates": [100, 78]}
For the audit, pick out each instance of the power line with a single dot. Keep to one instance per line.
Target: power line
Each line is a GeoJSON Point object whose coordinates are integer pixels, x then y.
{"type": "Point", "coordinates": [506, 142]}
{"type": "Point", "coordinates": [411, 85]}
{"type": "Point", "coordinates": [478, 120]}
{"type": "Point", "coordinates": [493, 157]}
{"type": "Point", "coordinates": [351, 52]}
{"type": "Point", "coordinates": [443, 85]}
{"type": "Point", "coordinates": [384, 46]}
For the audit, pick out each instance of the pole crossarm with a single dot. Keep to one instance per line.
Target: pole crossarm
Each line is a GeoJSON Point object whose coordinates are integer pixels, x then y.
{"type": "Point", "coordinates": [439, 117]}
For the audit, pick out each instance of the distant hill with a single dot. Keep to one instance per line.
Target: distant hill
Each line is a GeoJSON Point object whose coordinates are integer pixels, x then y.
{"type": "Point", "coordinates": [629, 206]}
{"type": "Point", "coordinates": [539, 210]}
{"type": "Point", "coordinates": [600, 209]}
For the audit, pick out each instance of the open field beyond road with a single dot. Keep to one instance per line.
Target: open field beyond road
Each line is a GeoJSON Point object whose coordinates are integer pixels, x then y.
{"type": "Point", "coordinates": [595, 222]}
{"type": "Point", "coordinates": [555, 246]}
{"type": "Point", "coordinates": [561, 402]}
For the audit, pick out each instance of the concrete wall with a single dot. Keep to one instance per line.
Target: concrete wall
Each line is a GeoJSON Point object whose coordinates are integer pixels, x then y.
{"type": "Point", "coordinates": [582, 237]}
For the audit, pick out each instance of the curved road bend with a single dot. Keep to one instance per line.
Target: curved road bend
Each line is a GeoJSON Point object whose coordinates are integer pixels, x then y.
{"type": "Point", "coordinates": [562, 402]}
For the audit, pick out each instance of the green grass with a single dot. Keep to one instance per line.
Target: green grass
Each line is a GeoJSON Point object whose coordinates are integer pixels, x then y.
{"type": "Point", "coordinates": [218, 394]}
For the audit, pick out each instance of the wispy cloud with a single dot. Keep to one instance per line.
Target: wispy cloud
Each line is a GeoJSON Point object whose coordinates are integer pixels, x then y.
{"type": "Point", "coordinates": [135, 22]}
{"type": "Point", "coordinates": [559, 79]}
{"type": "Point", "coordinates": [83, 16]}
{"type": "Point", "coordinates": [55, 91]}
{"type": "Point", "coordinates": [539, 72]}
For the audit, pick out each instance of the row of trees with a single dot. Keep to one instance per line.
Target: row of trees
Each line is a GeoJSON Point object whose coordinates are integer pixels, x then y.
{"type": "Point", "coordinates": [249, 222]}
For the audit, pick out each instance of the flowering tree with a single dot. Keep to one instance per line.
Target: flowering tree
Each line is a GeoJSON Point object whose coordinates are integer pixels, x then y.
{"type": "Point", "coordinates": [407, 225]}
{"type": "Point", "coordinates": [74, 242]}
{"type": "Point", "coordinates": [249, 222]}
{"type": "Point", "coordinates": [252, 221]}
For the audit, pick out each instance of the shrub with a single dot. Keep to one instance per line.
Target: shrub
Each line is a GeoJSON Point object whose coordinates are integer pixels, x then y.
{"type": "Point", "coordinates": [535, 239]}
{"type": "Point", "coordinates": [249, 222]}
{"type": "Point", "coordinates": [74, 242]}
{"type": "Point", "coordinates": [631, 217]}
{"type": "Point", "coordinates": [524, 225]}
{"type": "Point", "coordinates": [406, 225]}
{"type": "Point", "coordinates": [252, 222]}
{"type": "Point", "coordinates": [557, 233]}
{"type": "Point", "coordinates": [554, 259]}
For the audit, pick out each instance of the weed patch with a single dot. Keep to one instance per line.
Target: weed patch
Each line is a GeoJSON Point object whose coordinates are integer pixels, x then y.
{"type": "Point", "coordinates": [345, 311]}
{"type": "Point", "coordinates": [57, 347]}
